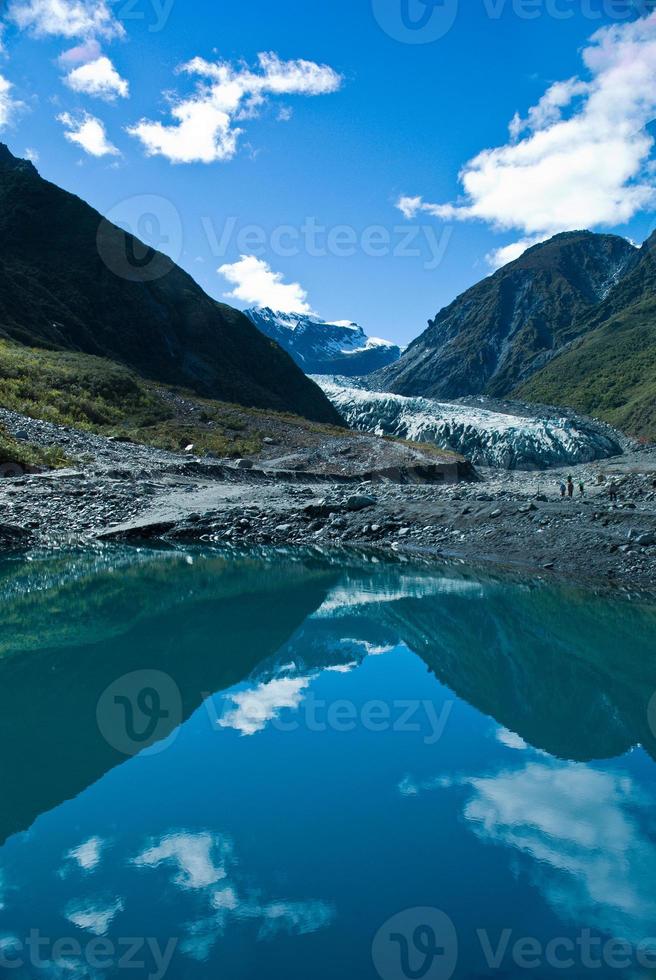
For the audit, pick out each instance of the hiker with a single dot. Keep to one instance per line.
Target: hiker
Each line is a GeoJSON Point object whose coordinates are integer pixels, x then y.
{"type": "Point", "coordinates": [570, 487]}
{"type": "Point", "coordinates": [613, 492]}
{"type": "Point", "coordinates": [563, 489]}
{"type": "Point", "coordinates": [582, 488]}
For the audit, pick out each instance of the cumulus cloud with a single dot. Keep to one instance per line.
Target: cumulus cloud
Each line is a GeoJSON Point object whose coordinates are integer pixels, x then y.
{"type": "Point", "coordinates": [257, 707]}
{"type": "Point", "coordinates": [205, 870]}
{"type": "Point", "coordinates": [584, 832]}
{"type": "Point", "coordinates": [205, 126]}
{"type": "Point", "coordinates": [98, 78]}
{"type": "Point", "coordinates": [80, 54]}
{"type": "Point", "coordinates": [257, 284]}
{"type": "Point", "coordinates": [89, 133]}
{"type": "Point", "coordinates": [65, 18]}
{"type": "Point", "coordinates": [8, 105]}
{"type": "Point", "coordinates": [199, 859]}
{"type": "Point", "coordinates": [94, 917]}
{"type": "Point", "coordinates": [581, 158]}
{"type": "Point", "coordinates": [87, 855]}
{"type": "Point", "coordinates": [499, 257]}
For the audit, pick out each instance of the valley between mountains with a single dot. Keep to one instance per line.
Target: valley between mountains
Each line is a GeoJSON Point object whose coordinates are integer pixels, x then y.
{"type": "Point", "coordinates": [134, 406]}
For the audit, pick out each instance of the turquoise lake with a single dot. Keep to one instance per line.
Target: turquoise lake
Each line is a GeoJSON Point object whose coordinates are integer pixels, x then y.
{"type": "Point", "coordinates": [285, 766]}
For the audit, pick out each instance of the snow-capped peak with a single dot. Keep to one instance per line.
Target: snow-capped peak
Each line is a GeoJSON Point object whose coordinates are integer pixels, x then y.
{"type": "Point", "coordinates": [325, 347]}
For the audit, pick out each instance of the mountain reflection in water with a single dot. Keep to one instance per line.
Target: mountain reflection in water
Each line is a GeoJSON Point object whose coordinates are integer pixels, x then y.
{"type": "Point", "coordinates": [258, 820]}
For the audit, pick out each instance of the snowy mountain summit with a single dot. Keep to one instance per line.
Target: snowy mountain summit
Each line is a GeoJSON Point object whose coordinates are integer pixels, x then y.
{"type": "Point", "coordinates": [319, 347]}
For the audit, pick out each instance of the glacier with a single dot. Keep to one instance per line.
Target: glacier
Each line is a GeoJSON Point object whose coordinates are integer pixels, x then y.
{"type": "Point", "coordinates": [510, 436]}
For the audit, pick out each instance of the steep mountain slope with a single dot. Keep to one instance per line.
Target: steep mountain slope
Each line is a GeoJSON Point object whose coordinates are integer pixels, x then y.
{"type": "Point", "coordinates": [325, 348]}
{"type": "Point", "coordinates": [71, 281]}
{"type": "Point", "coordinates": [504, 329]}
{"type": "Point", "coordinates": [611, 370]}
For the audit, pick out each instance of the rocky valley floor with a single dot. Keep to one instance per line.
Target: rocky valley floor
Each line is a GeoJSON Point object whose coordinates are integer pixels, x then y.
{"type": "Point", "coordinates": [120, 491]}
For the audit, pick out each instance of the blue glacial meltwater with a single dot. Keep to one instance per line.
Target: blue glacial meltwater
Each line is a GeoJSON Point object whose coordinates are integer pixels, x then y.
{"type": "Point", "coordinates": [282, 766]}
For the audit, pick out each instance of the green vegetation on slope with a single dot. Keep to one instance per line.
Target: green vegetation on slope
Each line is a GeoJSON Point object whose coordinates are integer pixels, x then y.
{"type": "Point", "coordinates": [15, 452]}
{"type": "Point", "coordinates": [97, 395]}
{"type": "Point", "coordinates": [610, 373]}
{"type": "Point", "coordinates": [71, 281]}
{"type": "Point", "coordinates": [498, 333]}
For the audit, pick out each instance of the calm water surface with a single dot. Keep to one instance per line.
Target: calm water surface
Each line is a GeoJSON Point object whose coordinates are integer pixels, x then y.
{"type": "Point", "coordinates": [283, 767]}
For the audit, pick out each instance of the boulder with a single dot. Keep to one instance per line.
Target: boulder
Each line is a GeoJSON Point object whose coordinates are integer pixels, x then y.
{"type": "Point", "coordinates": [360, 501]}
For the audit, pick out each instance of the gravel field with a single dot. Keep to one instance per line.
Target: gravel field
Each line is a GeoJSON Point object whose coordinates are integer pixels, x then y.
{"type": "Point", "coordinates": [120, 491]}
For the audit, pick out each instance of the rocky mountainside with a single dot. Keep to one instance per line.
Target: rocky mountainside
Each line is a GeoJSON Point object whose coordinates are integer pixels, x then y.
{"type": "Point", "coordinates": [611, 370]}
{"type": "Point", "coordinates": [506, 436]}
{"type": "Point", "coordinates": [325, 348]}
{"type": "Point", "coordinates": [71, 281]}
{"type": "Point", "coordinates": [500, 332]}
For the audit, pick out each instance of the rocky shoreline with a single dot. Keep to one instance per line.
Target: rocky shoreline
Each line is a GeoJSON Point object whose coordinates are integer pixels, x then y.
{"type": "Point", "coordinates": [123, 492]}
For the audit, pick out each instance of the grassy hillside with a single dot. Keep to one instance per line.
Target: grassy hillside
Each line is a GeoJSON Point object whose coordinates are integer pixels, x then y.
{"type": "Point", "coordinates": [100, 396]}
{"type": "Point", "coordinates": [499, 332]}
{"type": "Point", "coordinates": [71, 281]}
{"type": "Point", "coordinates": [610, 373]}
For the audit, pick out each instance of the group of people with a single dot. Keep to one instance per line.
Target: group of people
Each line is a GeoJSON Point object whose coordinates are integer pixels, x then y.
{"type": "Point", "coordinates": [567, 489]}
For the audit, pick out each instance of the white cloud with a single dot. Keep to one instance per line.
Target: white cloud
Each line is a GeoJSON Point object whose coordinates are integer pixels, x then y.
{"type": "Point", "coordinates": [31, 154]}
{"type": "Point", "coordinates": [94, 917]}
{"type": "Point", "coordinates": [199, 859]}
{"type": "Point", "coordinates": [65, 18]}
{"type": "Point", "coordinates": [257, 284]}
{"type": "Point", "coordinates": [511, 739]}
{"type": "Point", "coordinates": [586, 834]}
{"type": "Point", "coordinates": [255, 708]}
{"type": "Point", "coordinates": [294, 918]}
{"type": "Point", "coordinates": [88, 855]}
{"type": "Point", "coordinates": [581, 157]}
{"type": "Point", "coordinates": [499, 257]}
{"type": "Point", "coordinates": [205, 867]}
{"type": "Point", "coordinates": [89, 133]}
{"type": "Point", "coordinates": [98, 78]}
{"type": "Point", "coordinates": [8, 105]}
{"type": "Point", "coordinates": [80, 54]}
{"type": "Point", "coordinates": [204, 130]}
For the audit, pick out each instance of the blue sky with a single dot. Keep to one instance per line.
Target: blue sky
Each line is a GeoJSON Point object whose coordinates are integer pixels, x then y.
{"type": "Point", "coordinates": [364, 134]}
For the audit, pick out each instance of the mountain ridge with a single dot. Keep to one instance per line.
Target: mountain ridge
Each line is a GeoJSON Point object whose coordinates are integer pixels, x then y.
{"type": "Point", "coordinates": [58, 291]}
{"type": "Point", "coordinates": [504, 328]}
